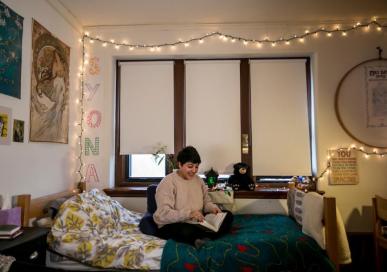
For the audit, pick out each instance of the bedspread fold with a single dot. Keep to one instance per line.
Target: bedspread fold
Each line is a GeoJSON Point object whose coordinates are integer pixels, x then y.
{"type": "Point", "coordinates": [96, 230]}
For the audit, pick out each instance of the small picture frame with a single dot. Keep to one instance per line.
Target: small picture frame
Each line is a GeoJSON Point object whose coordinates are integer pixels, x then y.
{"type": "Point", "coordinates": [5, 125]}
{"type": "Point", "coordinates": [18, 131]}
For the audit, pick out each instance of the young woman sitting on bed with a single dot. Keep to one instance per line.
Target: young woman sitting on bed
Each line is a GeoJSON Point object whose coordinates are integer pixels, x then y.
{"type": "Point", "coordinates": [181, 196]}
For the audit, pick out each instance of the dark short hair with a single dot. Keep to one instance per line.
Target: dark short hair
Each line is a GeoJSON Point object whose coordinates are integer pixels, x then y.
{"type": "Point", "coordinates": [188, 154]}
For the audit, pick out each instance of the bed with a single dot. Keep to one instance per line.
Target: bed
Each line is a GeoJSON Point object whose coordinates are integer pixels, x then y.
{"type": "Point", "coordinates": [95, 230]}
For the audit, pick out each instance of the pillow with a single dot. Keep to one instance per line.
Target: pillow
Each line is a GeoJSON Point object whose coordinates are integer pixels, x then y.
{"type": "Point", "coordinates": [147, 224]}
{"type": "Point", "coordinates": [44, 222]}
{"type": "Point", "coordinates": [290, 201]}
{"type": "Point", "coordinates": [52, 207]}
{"type": "Point", "coordinates": [312, 217]}
{"type": "Point", "coordinates": [298, 206]}
{"type": "Point", "coordinates": [151, 198]}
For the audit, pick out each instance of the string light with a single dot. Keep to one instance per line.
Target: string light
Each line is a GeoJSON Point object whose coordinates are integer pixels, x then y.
{"type": "Point", "coordinates": [81, 123]}
{"type": "Point", "coordinates": [366, 154]}
{"type": "Point", "coordinates": [226, 37]}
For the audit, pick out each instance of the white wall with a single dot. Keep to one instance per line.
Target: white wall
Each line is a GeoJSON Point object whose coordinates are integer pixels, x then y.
{"type": "Point", "coordinates": [40, 168]}
{"type": "Point", "coordinates": [331, 59]}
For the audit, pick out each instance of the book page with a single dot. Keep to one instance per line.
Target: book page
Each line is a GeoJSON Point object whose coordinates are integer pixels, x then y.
{"type": "Point", "coordinates": [211, 221]}
{"type": "Point", "coordinates": [215, 219]}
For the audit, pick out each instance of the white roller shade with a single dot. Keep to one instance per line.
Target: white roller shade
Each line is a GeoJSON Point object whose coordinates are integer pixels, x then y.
{"type": "Point", "coordinates": [280, 128]}
{"type": "Point", "coordinates": [147, 114]}
{"type": "Point", "coordinates": [213, 112]}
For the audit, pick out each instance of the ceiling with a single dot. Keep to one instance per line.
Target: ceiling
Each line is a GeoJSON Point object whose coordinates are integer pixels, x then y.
{"type": "Point", "coordinates": [174, 12]}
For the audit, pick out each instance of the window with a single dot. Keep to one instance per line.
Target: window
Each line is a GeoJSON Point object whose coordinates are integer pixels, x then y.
{"type": "Point", "coordinates": [146, 165]}
{"type": "Point", "coordinates": [181, 106]}
{"type": "Point", "coordinates": [280, 124]}
{"type": "Point", "coordinates": [213, 124]}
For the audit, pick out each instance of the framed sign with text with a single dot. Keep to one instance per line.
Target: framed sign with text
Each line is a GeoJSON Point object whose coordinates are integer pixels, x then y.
{"type": "Point", "coordinates": [343, 165]}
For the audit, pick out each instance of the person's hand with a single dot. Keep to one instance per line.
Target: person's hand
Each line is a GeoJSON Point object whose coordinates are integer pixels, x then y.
{"type": "Point", "coordinates": [197, 215]}
{"type": "Point", "coordinates": [216, 210]}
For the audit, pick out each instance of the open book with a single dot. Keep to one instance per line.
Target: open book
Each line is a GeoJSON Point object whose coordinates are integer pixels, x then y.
{"type": "Point", "coordinates": [211, 221]}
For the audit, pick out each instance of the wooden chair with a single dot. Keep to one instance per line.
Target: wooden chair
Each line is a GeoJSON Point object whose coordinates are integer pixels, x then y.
{"type": "Point", "coordinates": [380, 218]}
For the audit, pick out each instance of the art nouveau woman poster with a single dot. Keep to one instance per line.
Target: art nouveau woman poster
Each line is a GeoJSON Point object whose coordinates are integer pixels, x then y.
{"type": "Point", "coordinates": [49, 111]}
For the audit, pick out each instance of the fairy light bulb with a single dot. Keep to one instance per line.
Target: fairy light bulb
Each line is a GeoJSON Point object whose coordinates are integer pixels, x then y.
{"type": "Point", "coordinates": [344, 33]}
{"type": "Point", "coordinates": [245, 42]}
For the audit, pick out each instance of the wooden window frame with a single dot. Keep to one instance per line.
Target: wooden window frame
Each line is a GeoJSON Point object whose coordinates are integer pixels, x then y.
{"type": "Point", "coordinates": [122, 161]}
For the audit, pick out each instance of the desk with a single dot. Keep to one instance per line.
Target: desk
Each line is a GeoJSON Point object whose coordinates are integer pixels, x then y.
{"type": "Point", "coordinates": [29, 248]}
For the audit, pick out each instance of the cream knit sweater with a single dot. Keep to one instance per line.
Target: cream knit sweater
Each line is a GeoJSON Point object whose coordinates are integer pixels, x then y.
{"type": "Point", "coordinates": [176, 198]}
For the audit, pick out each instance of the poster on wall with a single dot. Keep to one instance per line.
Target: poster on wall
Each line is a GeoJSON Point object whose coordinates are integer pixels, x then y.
{"type": "Point", "coordinates": [343, 165]}
{"type": "Point", "coordinates": [376, 86]}
{"type": "Point", "coordinates": [5, 125]}
{"type": "Point", "coordinates": [11, 33]}
{"type": "Point", "coordinates": [49, 112]}
{"type": "Point", "coordinates": [18, 131]}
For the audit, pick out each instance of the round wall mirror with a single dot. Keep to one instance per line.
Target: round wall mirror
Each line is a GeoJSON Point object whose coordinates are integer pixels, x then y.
{"type": "Point", "coordinates": [361, 103]}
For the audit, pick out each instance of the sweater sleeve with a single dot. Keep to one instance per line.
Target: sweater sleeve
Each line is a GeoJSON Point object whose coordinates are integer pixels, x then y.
{"type": "Point", "coordinates": [207, 202]}
{"type": "Point", "coordinates": [165, 199]}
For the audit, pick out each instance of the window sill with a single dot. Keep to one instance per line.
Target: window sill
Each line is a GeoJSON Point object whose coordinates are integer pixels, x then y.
{"type": "Point", "coordinates": [261, 192]}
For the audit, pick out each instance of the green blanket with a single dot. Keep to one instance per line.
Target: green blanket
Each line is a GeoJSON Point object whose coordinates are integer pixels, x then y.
{"type": "Point", "coordinates": [256, 243]}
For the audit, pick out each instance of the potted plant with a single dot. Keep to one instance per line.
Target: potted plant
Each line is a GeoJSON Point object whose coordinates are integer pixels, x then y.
{"type": "Point", "coordinates": [160, 154]}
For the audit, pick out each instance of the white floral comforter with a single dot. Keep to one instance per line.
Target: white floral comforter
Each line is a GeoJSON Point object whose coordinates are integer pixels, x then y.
{"type": "Point", "coordinates": [96, 230]}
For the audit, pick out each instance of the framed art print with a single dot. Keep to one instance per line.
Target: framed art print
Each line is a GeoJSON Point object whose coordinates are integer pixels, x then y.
{"type": "Point", "coordinates": [11, 33]}
{"type": "Point", "coordinates": [49, 112]}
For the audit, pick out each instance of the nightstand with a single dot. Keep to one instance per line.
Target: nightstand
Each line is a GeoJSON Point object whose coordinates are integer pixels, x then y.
{"type": "Point", "coordinates": [29, 248]}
